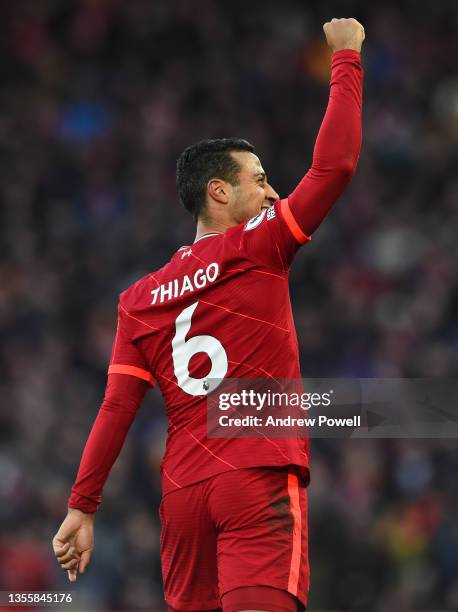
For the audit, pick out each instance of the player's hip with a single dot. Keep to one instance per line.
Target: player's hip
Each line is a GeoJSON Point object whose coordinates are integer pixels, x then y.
{"type": "Point", "coordinates": [238, 529]}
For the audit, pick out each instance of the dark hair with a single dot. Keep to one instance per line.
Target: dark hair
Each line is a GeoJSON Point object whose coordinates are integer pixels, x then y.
{"type": "Point", "coordinates": [203, 161]}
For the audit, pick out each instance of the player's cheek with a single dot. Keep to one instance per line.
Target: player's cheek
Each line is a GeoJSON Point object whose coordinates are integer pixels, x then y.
{"type": "Point", "coordinates": [251, 205]}
{"type": "Point", "coordinates": [258, 199]}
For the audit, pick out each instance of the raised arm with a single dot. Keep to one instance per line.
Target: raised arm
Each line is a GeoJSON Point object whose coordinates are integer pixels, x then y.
{"type": "Point", "coordinates": [275, 237]}
{"type": "Point", "coordinates": [338, 143]}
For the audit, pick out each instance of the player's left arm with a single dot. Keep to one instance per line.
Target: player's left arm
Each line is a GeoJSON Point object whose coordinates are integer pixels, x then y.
{"type": "Point", "coordinates": [128, 380]}
{"type": "Point", "coordinates": [74, 542]}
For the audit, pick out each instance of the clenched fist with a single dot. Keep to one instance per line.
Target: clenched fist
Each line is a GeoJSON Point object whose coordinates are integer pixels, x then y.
{"type": "Point", "coordinates": [344, 34]}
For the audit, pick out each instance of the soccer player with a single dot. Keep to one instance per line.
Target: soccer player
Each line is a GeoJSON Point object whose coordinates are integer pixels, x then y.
{"type": "Point", "coordinates": [233, 513]}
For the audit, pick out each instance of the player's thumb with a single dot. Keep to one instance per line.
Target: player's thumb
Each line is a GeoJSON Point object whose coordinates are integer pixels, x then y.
{"type": "Point", "coordinates": [84, 561]}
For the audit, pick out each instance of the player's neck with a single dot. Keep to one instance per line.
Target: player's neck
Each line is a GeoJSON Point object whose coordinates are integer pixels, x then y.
{"type": "Point", "coordinates": [210, 227]}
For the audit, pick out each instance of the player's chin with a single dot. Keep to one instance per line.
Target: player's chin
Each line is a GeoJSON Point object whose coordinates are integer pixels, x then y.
{"type": "Point", "coordinates": [262, 208]}
{"type": "Point", "coordinates": [255, 211]}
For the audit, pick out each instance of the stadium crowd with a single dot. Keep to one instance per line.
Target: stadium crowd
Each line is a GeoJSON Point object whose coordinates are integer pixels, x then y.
{"type": "Point", "coordinates": [98, 98]}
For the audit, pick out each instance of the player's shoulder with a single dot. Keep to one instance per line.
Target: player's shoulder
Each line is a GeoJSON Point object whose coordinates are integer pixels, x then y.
{"type": "Point", "coordinates": [207, 248]}
{"type": "Point", "coordinates": [136, 293]}
{"type": "Point", "coordinates": [260, 225]}
{"type": "Point", "coordinates": [259, 220]}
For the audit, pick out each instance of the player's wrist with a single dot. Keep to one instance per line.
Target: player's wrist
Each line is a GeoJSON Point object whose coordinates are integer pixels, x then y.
{"type": "Point", "coordinates": [342, 52]}
{"type": "Point", "coordinates": [78, 511]}
{"type": "Point", "coordinates": [346, 56]}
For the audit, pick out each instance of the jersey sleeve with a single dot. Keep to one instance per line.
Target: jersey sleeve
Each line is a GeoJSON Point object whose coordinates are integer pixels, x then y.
{"type": "Point", "coordinates": [123, 397]}
{"type": "Point", "coordinates": [126, 357]}
{"type": "Point", "coordinates": [273, 236]}
{"type": "Point", "coordinates": [128, 381]}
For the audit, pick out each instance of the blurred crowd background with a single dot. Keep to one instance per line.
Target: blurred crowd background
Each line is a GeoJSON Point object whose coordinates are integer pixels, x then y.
{"type": "Point", "coordinates": [97, 100]}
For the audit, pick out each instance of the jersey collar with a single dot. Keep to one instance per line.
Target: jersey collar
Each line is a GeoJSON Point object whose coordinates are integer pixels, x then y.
{"type": "Point", "coordinates": [209, 235]}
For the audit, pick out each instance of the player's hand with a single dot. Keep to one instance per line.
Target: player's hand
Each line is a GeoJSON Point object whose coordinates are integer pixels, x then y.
{"type": "Point", "coordinates": [74, 542]}
{"type": "Point", "coordinates": [344, 34]}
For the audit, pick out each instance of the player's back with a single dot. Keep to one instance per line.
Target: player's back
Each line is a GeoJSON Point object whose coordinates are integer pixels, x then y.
{"type": "Point", "coordinates": [220, 308]}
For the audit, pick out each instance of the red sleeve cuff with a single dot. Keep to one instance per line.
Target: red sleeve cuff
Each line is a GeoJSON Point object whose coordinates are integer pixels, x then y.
{"type": "Point", "coordinates": [346, 55]}
{"type": "Point", "coordinates": [85, 504]}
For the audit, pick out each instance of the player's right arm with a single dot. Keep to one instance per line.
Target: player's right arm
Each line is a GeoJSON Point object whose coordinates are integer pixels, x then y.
{"type": "Point", "coordinates": [338, 143]}
{"type": "Point", "coordinates": [275, 236]}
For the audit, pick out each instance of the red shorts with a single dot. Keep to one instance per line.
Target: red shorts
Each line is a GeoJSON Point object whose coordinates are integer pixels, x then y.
{"type": "Point", "coordinates": [244, 528]}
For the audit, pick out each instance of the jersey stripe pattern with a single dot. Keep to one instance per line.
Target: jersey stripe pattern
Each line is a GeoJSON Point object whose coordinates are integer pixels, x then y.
{"type": "Point", "coordinates": [219, 308]}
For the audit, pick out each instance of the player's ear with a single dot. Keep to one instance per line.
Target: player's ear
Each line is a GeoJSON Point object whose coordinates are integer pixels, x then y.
{"type": "Point", "coordinates": [218, 190]}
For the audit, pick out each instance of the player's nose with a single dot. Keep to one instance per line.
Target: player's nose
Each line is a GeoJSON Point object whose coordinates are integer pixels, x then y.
{"type": "Point", "coordinates": [271, 195]}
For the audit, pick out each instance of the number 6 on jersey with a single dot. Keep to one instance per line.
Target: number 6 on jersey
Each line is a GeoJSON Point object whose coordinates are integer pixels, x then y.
{"type": "Point", "coordinates": [183, 350]}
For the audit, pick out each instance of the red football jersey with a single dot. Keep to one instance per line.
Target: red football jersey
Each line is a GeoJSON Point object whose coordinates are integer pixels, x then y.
{"type": "Point", "coordinates": [219, 308]}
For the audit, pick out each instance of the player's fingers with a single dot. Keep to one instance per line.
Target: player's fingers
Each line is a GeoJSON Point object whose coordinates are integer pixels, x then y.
{"type": "Point", "coordinates": [70, 565]}
{"type": "Point", "coordinates": [327, 30]}
{"type": "Point", "coordinates": [68, 556]}
{"type": "Point", "coordinates": [67, 550]}
{"type": "Point", "coordinates": [72, 574]}
{"type": "Point", "coordinates": [64, 550]}
{"type": "Point", "coordinates": [360, 25]}
{"type": "Point", "coordinates": [60, 548]}
{"type": "Point", "coordinates": [65, 558]}
{"type": "Point", "coordinates": [85, 560]}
